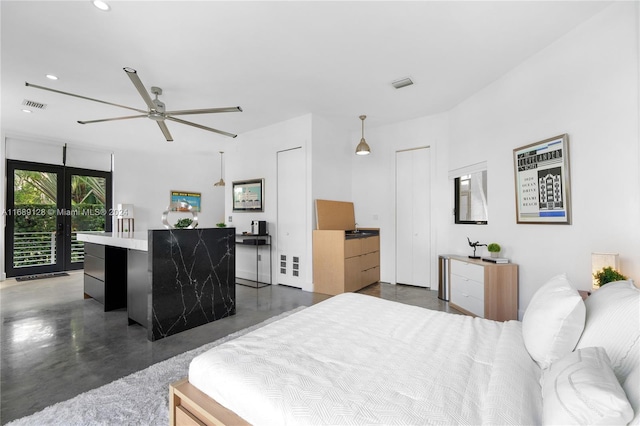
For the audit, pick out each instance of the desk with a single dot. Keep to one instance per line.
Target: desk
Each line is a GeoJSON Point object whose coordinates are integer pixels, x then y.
{"type": "Point", "coordinates": [251, 240]}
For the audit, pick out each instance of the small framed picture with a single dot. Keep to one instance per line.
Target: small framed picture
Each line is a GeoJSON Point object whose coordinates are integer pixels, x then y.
{"type": "Point", "coordinates": [248, 195]}
{"type": "Point", "coordinates": [178, 198]}
{"type": "Point", "coordinates": [542, 181]}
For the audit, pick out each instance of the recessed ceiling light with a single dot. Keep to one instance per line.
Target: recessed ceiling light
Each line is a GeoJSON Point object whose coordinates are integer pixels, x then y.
{"type": "Point", "coordinates": [26, 110]}
{"type": "Point", "coordinates": [52, 77]}
{"type": "Point", "coordinates": [101, 5]}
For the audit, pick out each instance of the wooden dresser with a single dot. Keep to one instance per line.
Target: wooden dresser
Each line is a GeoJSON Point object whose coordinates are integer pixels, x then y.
{"type": "Point", "coordinates": [342, 263]}
{"type": "Point", "coordinates": [484, 289]}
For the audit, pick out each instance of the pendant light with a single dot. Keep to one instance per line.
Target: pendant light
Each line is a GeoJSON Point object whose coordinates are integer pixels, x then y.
{"type": "Point", "coordinates": [221, 181]}
{"type": "Point", "coordinates": [363, 147]}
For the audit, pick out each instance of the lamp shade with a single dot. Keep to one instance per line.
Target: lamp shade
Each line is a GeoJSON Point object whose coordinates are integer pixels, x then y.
{"type": "Point", "coordinates": [124, 211]}
{"type": "Point", "coordinates": [363, 146]}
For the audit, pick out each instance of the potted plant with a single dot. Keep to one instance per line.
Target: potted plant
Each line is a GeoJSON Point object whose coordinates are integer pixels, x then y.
{"type": "Point", "coordinates": [607, 275]}
{"type": "Point", "coordinates": [221, 225]}
{"type": "Point", "coordinates": [494, 249]}
{"type": "Point", "coordinates": [183, 223]}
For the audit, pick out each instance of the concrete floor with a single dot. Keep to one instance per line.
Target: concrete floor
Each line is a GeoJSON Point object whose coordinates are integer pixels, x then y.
{"type": "Point", "coordinates": [56, 345]}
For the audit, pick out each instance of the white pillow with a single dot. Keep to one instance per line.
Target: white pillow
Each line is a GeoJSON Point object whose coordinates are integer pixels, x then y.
{"type": "Point", "coordinates": [581, 389]}
{"type": "Point", "coordinates": [553, 321]}
{"type": "Point", "coordinates": [613, 322]}
{"type": "Point", "coordinates": [631, 387]}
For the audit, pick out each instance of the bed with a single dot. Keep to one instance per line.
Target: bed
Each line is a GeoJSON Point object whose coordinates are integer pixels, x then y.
{"type": "Point", "coordinates": [357, 359]}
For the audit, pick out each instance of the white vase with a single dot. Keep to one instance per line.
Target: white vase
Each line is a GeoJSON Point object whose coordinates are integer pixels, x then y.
{"type": "Point", "coordinates": [495, 254]}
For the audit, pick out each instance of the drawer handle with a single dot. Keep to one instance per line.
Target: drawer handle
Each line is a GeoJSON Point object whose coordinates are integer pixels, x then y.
{"type": "Point", "coordinates": [465, 294]}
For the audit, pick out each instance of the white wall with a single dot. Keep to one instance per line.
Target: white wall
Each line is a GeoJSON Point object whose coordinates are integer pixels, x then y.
{"type": "Point", "coordinates": [373, 187]}
{"type": "Point", "coordinates": [586, 85]}
{"type": "Point", "coordinates": [332, 152]}
{"type": "Point", "coordinates": [145, 179]}
{"type": "Point", "coordinates": [253, 155]}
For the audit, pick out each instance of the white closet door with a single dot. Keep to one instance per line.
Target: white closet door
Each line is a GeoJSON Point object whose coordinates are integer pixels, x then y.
{"type": "Point", "coordinates": [421, 218]}
{"type": "Point", "coordinates": [291, 232]}
{"type": "Point", "coordinates": [413, 237]}
{"type": "Point", "coordinates": [404, 218]}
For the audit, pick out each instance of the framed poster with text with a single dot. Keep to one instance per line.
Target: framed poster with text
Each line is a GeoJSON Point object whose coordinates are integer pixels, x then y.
{"type": "Point", "coordinates": [542, 181]}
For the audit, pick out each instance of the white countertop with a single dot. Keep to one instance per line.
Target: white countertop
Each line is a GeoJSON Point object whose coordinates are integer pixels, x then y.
{"type": "Point", "coordinates": [128, 240]}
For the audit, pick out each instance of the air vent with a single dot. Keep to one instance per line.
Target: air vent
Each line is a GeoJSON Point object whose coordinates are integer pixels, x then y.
{"type": "Point", "coordinates": [404, 82]}
{"type": "Point", "coordinates": [34, 104]}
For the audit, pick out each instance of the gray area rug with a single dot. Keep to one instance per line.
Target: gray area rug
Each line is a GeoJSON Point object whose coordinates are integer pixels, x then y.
{"type": "Point", "coordinates": [141, 398]}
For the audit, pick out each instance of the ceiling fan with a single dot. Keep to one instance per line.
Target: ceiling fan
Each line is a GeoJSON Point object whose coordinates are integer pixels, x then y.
{"type": "Point", "coordinates": [156, 111]}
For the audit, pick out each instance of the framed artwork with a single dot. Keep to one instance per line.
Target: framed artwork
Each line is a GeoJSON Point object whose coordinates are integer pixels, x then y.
{"type": "Point", "coordinates": [248, 195]}
{"type": "Point", "coordinates": [542, 181]}
{"type": "Point", "coordinates": [178, 197]}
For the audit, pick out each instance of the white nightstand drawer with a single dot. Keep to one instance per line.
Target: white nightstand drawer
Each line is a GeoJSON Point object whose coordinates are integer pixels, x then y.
{"type": "Point", "coordinates": [467, 270]}
{"type": "Point", "coordinates": [467, 302]}
{"type": "Point", "coordinates": [469, 287]}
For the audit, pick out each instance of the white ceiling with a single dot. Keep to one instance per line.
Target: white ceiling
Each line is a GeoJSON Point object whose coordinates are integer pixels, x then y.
{"type": "Point", "coordinates": [277, 60]}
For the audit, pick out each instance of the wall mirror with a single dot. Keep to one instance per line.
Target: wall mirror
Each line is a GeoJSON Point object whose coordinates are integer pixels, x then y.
{"type": "Point", "coordinates": [471, 205]}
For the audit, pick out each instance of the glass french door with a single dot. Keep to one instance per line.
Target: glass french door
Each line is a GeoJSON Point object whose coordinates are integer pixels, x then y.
{"type": "Point", "coordinates": [47, 206]}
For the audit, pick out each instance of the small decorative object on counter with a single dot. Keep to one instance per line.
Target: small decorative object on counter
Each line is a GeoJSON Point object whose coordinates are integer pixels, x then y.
{"type": "Point", "coordinates": [221, 225]}
{"type": "Point", "coordinates": [184, 223]}
{"type": "Point", "coordinates": [494, 249]}
{"type": "Point", "coordinates": [475, 246]}
{"type": "Point", "coordinates": [182, 207]}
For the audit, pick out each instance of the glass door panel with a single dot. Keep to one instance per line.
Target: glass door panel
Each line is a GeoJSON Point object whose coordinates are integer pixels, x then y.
{"type": "Point", "coordinates": [88, 210]}
{"type": "Point", "coordinates": [34, 228]}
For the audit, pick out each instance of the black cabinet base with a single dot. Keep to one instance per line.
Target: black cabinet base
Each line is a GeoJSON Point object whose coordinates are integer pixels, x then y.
{"type": "Point", "coordinates": [105, 278]}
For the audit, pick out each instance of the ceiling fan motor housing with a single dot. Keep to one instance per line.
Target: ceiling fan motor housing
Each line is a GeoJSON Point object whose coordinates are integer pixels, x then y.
{"type": "Point", "coordinates": [158, 112]}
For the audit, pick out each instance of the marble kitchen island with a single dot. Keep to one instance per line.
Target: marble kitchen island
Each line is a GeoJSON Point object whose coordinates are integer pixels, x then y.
{"type": "Point", "coordinates": [175, 279]}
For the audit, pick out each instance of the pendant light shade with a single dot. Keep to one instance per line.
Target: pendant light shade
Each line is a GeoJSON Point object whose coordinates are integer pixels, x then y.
{"type": "Point", "coordinates": [221, 181]}
{"type": "Point", "coordinates": [363, 146]}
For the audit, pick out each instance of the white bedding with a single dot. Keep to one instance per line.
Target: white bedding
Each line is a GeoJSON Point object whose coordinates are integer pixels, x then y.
{"type": "Point", "coordinates": [356, 359]}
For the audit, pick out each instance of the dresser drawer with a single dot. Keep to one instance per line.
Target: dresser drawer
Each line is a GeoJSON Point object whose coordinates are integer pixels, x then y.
{"type": "Point", "coordinates": [370, 276]}
{"type": "Point", "coordinates": [467, 302]}
{"type": "Point", "coordinates": [467, 270]}
{"type": "Point", "coordinates": [468, 287]}
{"type": "Point", "coordinates": [370, 244]}
{"type": "Point", "coordinates": [370, 260]}
{"type": "Point", "coordinates": [352, 248]}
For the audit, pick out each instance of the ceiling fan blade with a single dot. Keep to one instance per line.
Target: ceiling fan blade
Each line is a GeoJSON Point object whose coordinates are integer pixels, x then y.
{"type": "Point", "coordinates": [165, 131]}
{"type": "Point", "coordinates": [112, 119]}
{"type": "Point", "coordinates": [133, 75]}
{"type": "Point", "coordinates": [200, 126]}
{"type": "Point", "coordinates": [82, 97]}
{"type": "Point", "coordinates": [204, 111]}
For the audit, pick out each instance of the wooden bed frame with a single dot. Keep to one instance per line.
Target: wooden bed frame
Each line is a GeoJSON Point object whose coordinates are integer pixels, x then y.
{"type": "Point", "coordinates": [190, 406]}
